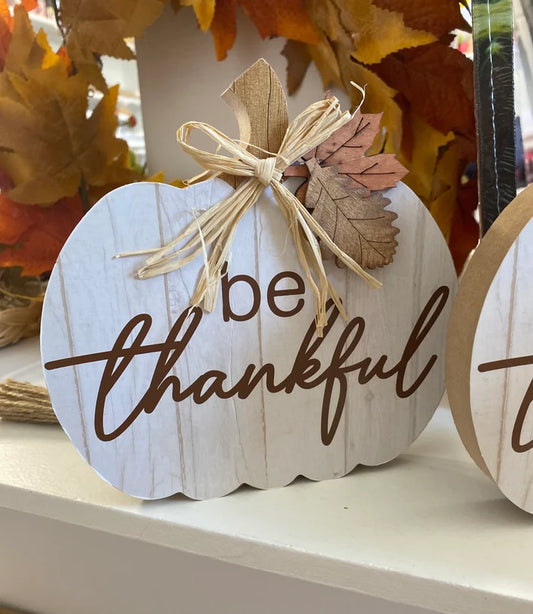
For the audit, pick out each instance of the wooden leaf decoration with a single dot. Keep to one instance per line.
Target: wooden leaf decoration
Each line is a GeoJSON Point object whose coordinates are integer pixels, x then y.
{"type": "Point", "coordinates": [258, 101]}
{"type": "Point", "coordinates": [345, 150]}
{"type": "Point", "coordinates": [358, 223]}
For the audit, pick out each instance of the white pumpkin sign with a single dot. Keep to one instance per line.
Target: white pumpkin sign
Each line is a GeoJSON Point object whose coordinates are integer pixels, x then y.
{"type": "Point", "coordinates": [489, 358]}
{"type": "Point", "coordinates": [160, 399]}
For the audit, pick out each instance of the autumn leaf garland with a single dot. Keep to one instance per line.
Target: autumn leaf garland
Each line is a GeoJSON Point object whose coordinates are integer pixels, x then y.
{"type": "Point", "coordinates": [421, 88]}
{"type": "Point", "coordinates": [51, 150]}
{"type": "Point", "coordinates": [401, 50]}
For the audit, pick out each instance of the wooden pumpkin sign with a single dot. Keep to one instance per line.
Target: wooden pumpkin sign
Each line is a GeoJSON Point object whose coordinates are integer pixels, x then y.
{"type": "Point", "coordinates": [488, 358]}
{"type": "Point", "coordinates": [162, 398]}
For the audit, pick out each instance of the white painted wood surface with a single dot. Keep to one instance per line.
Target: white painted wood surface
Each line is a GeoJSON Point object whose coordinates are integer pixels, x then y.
{"type": "Point", "coordinates": [268, 439]}
{"type": "Point", "coordinates": [339, 546]}
{"type": "Point", "coordinates": [491, 324]}
{"type": "Point", "coordinates": [505, 331]}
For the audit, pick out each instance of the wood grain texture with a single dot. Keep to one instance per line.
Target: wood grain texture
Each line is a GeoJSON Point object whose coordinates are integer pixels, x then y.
{"type": "Point", "coordinates": [505, 331]}
{"type": "Point", "coordinates": [359, 223]}
{"type": "Point", "coordinates": [269, 438]}
{"type": "Point", "coordinates": [258, 101]}
{"type": "Point", "coordinates": [466, 313]}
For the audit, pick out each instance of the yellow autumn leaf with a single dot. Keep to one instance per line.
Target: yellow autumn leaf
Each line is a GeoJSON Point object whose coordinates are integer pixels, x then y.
{"type": "Point", "coordinates": [48, 145]}
{"type": "Point", "coordinates": [378, 32]}
{"type": "Point", "coordinates": [25, 49]}
{"type": "Point", "coordinates": [325, 60]}
{"type": "Point", "coordinates": [49, 58]}
{"type": "Point", "coordinates": [426, 145]}
{"type": "Point", "coordinates": [159, 177]}
{"type": "Point", "coordinates": [379, 98]}
{"type": "Point", "coordinates": [443, 206]}
{"type": "Point", "coordinates": [204, 9]}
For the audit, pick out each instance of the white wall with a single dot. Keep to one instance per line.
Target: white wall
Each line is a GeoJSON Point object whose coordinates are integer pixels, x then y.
{"type": "Point", "coordinates": [181, 80]}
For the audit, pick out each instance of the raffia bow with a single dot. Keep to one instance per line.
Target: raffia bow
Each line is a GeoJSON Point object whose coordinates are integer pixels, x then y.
{"type": "Point", "coordinates": [216, 226]}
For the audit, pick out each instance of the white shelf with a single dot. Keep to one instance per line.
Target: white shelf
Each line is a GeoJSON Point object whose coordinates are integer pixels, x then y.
{"type": "Point", "coordinates": [428, 530]}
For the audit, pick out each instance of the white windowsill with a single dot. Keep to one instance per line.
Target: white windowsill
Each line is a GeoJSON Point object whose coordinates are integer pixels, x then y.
{"type": "Point", "coordinates": [427, 530]}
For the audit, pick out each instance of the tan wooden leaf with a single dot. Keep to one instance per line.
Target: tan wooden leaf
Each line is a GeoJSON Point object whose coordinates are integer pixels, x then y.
{"type": "Point", "coordinates": [358, 223]}
{"type": "Point", "coordinates": [258, 101]}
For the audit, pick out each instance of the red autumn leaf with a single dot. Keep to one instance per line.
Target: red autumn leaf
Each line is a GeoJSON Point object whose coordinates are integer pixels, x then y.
{"type": "Point", "coordinates": [345, 150]}
{"type": "Point", "coordinates": [298, 60]}
{"type": "Point", "coordinates": [33, 236]}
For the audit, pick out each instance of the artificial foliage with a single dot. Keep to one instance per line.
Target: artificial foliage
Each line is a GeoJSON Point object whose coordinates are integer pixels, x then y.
{"type": "Point", "coordinates": [56, 158]}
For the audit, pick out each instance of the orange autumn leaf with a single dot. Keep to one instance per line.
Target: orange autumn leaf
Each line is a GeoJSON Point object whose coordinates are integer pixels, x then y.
{"type": "Point", "coordinates": [7, 24]}
{"type": "Point", "coordinates": [298, 60]}
{"type": "Point", "coordinates": [271, 18]}
{"type": "Point", "coordinates": [465, 231]}
{"type": "Point", "coordinates": [49, 145]}
{"type": "Point", "coordinates": [422, 160]}
{"type": "Point", "coordinates": [32, 237]}
{"type": "Point", "coordinates": [29, 5]}
{"type": "Point", "coordinates": [224, 27]}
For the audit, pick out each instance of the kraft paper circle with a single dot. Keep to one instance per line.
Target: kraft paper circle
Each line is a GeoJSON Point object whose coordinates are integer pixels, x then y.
{"type": "Point", "coordinates": [488, 364]}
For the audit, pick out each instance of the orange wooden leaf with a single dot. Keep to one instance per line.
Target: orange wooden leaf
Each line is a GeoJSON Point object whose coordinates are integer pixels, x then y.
{"type": "Point", "coordinates": [345, 150]}
{"type": "Point", "coordinates": [32, 236]}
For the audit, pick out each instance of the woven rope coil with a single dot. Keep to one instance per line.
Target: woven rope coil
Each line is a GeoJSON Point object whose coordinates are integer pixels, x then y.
{"type": "Point", "coordinates": [24, 402]}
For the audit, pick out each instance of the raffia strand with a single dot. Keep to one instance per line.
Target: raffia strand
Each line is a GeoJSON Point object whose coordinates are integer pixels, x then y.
{"type": "Point", "coordinates": [211, 233]}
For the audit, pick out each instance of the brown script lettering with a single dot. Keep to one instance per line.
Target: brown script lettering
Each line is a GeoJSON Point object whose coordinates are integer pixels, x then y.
{"type": "Point", "coordinates": [524, 405]}
{"type": "Point", "coordinates": [307, 371]}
